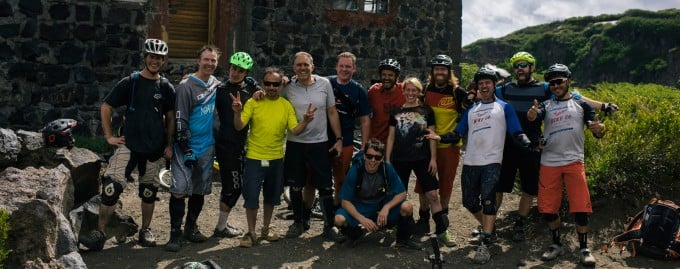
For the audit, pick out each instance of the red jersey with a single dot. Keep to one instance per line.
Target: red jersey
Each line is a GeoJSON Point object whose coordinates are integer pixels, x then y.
{"type": "Point", "coordinates": [383, 103]}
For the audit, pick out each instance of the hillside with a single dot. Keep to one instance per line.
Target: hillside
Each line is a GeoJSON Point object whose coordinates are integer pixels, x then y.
{"type": "Point", "coordinates": [637, 46]}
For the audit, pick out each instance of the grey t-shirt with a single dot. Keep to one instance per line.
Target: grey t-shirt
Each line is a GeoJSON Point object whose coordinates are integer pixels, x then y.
{"type": "Point", "coordinates": [320, 95]}
{"type": "Point", "coordinates": [371, 190]}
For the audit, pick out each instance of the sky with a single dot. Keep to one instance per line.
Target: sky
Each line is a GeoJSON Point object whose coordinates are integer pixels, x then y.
{"type": "Point", "coordinates": [481, 22]}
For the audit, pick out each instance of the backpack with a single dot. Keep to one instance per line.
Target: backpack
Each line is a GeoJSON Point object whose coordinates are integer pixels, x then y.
{"type": "Point", "coordinates": [654, 232]}
{"type": "Point", "coordinates": [358, 161]}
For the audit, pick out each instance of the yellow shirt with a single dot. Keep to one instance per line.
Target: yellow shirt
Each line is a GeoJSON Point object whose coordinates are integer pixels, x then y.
{"type": "Point", "coordinates": [269, 121]}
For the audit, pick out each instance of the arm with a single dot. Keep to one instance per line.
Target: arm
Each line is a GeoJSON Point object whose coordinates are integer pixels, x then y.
{"type": "Point", "coordinates": [607, 108]}
{"type": "Point", "coordinates": [514, 128]}
{"type": "Point", "coordinates": [385, 210]}
{"type": "Point", "coordinates": [390, 144]}
{"type": "Point", "coordinates": [106, 111]}
{"type": "Point", "coordinates": [306, 118]}
{"type": "Point", "coordinates": [432, 168]}
{"type": "Point", "coordinates": [170, 135]}
{"type": "Point", "coordinates": [334, 119]}
{"type": "Point", "coordinates": [365, 129]}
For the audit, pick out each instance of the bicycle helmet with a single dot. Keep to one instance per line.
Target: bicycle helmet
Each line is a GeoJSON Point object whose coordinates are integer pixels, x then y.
{"type": "Point", "coordinates": [57, 133]}
{"type": "Point", "coordinates": [523, 56]}
{"type": "Point", "coordinates": [485, 73]}
{"type": "Point", "coordinates": [242, 60]}
{"type": "Point", "coordinates": [556, 71]}
{"type": "Point", "coordinates": [389, 64]}
{"type": "Point", "coordinates": [441, 59]}
{"type": "Point", "coordinates": [156, 46]}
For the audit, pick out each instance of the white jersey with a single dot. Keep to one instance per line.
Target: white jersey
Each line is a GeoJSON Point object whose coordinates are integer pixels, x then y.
{"type": "Point", "coordinates": [564, 124]}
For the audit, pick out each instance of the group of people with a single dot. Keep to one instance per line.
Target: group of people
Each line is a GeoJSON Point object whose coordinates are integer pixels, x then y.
{"type": "Point", "coordinates": [405, 127]}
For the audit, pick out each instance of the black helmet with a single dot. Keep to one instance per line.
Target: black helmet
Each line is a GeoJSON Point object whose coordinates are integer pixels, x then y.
{"type": "Point", "coordinates": [390, 64]}
{"type": "Point", "coordinates": [485, 72]}
{"type": "Point", "coordinates": [557, 70]}
{"type": "Point", "coordinates": [441, 59]}
{"type": "Point", "coordinates": [57, 133]}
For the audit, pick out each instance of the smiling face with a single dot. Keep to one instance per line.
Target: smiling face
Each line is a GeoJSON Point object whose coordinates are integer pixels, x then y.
{"type": "Point", "coordinates": [411, 93]}
{"type": "Point", "coordinates": [345, 69]}
{"type": "Point", "coordinates": [372, 160]}
{"type": "Point", "coordinates": [388, 78]}
{"type": "Point", "coordinates": [207, 63]}
{"type": "Point", "coordinates": [440, 75]}
{"type": "Point", "coordinates": [272, 85]}
{"type": "Point", "coordinates": [153, 62]}
{"type": "Point", "coordinates": [237, 74]}
{"type": "Point", "coordinates": [560, 87]}
{"type": "Point", "coordinates": [522, 71]}
{"type": "Point", "coordinates": [303, 68]}
{"type": "Point", "coordinates": [485, 90]}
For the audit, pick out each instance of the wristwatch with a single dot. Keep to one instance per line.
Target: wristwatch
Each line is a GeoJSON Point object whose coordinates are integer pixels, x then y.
{"type": "Point", "coordinates": [338, 138]}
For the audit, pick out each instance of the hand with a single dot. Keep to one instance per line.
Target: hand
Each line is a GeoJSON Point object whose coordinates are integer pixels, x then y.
{"type": "Point", "coordinates": [522, 140]}
{"type": "Point", "coordinates": [369, 224]}
{"type": "Point", "coordinates": [609, 108]}
{"type": "Point", "coordinates": [167, 152]}
{"type": "Point", "coordinates": [236, 104]}
{"type": "Point", "coordinates": [116, 141]}
{"type": "Point", "coordinates": [309, 114]}
{"type": "Point", "coordinates": [596, 127]}
{"type": "Point", "coordinates": [382, 216]}
{"type": "Point", "coordinates": [432, 168]}
{"type": "Point", "coordinates": [532, 114]}
{"type": "Point", "coordinates": [432, 135]}
{"type": "Point", "coordinates": [337, 147]}
{"type": "Point", "coordinates": [258, 95]}
{"type": "Point", "coordinates": [189, 159]}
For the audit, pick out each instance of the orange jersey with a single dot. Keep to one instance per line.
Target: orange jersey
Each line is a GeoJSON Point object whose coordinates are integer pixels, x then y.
{"type": "Point", "coordinates": [382, 103]}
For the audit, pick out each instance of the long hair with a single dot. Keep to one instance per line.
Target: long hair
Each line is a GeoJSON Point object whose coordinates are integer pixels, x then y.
{"type": "Point", "coordinates": [453, 80]}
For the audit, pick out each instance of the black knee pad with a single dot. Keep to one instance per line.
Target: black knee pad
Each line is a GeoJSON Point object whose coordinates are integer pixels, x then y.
{"type": "Point", "coordinates": [581, 218]}
{"type": "Point", "coordinates": [326, 192]}
{"type": "Point", "coordinates": [111, 191]}
{"type": "Point", "coordinates": [489, 207]}
{"type": "Point", "coordinates": [550, 217]}
{"type": "Point", "coordinates": [472, 206]}
{"type": "Point", "coordinates": [148, 192]}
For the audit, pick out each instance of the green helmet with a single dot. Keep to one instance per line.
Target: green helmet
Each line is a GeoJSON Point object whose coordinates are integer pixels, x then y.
{"type": "Point", "coordinates": [242, 60]}
{"type": "Point", "coordinates": [523, 56]}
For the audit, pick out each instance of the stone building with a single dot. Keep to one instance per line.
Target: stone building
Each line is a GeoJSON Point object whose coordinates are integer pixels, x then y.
{"type": "Point", "coordinates": [59, 58]}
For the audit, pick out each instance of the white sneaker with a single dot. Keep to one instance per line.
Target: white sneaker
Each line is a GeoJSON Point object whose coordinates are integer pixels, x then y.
{"type": "Point", "coordinates": [553, 252]}
{"type": "Point", "coordinates": [587, 258]}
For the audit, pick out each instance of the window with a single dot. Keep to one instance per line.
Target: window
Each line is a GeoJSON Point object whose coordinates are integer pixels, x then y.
{"type": "Point", "coordinates": [369, 6]}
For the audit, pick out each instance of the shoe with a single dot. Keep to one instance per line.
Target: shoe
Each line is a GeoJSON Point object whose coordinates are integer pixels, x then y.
{"type": "Point", "coordinates": [408, 244]}
{"type": "Point", "coordinates": [587, 258]}
{"type": "Point", "coordinates": [333, 235]}
{"type": "Point", "coordinates": [228, 232]}
{"type": "Point", "coordinates": [482, 255]}
{"type": "Point", "coordinates": [446, 239]}
{"type": "Point", "coordinates": [518, 233]}
{"type": "Point", "coordinates": [269, 234]}
{"type": "Point", "coordinates": [248, 240]}
{"type": "Point", "coordinates": [553, 252]}
{"type": "Point", "coordinates": [477, 231]}
{"type": "Point", "coordinates": [295, 230]}
{"type": "Point", "coordinates": [194, 235]}
{"type": "Point", "coordinates": [480, 238]}
{"type": "Point", "coordinates": [422, 227]}
{"type": "Point", "coordinates": [175, 242]}
{"type": "Point", "coordinates": [306, 224]}
{"type": "Point", "coordinates": [146, 238]}
{"type": "Point", "coordinates": [94, 241]}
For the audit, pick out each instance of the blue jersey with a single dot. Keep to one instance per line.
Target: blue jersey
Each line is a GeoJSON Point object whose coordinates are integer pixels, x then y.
{"type": "Point", "coordinates": [195, 109]}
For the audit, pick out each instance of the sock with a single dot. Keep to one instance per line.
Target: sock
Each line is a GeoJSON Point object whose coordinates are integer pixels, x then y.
{"type": "Point", "coordinates": [405, 227]}
{"type": "Point", "coordinates": [176, 213]}
{"type": "Point", "coordinates": [520, 220]}
{"type": "Point", "coordinates": [195, 205]}
{"type": "Point", "coordinates": [556, 236]}
{"type": "Point", "coordinates": [424, 215]}
{"type": "Point", "coordinates": [222, 221]}
{"type": "Point", "coordinates": [441, 221]}
{"type": "Point", "coordinates": [582, 240]}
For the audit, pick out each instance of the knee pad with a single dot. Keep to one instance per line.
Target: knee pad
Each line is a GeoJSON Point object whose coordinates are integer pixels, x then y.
{"type": "Point", "coordinates": [148, 192]}
{"type": "Point", "coordinates": [550, 217]}
{"type": "Point", "coordinates": [295, 189]}
{"type": "Point", "coordinates": [581, 218]}
{"type": "Point", "coordinates": [326, 192]}
{"type": "Point", "coordinates": [472, 206]}
{"type": "Point", "coordinates": [489, 207]}
{"type": "Point", "coordinates": [111, 191]}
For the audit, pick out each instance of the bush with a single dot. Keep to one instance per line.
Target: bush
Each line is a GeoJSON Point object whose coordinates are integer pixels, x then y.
{"type": "Point", "coordinates": [640, 153]}
{"type": "Point", "coordinates": [96, 144]}
{"type": "Point", "coordinates": [4, 230]}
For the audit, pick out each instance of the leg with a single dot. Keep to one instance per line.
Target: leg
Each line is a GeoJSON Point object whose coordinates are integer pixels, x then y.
{"type": "Point", "coordinates": [230, 159]}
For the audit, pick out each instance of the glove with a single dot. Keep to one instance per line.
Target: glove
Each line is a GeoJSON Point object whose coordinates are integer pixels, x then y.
{"type": "Point", "coordinates": [189, 158]}
{"type": "Point", "coordinates": [522, 140]}
{"type": "Point", "coordinates": [250, 81]}
{"type": "Point", "coordinates": [609, 108]}
{"type": "Point", "coordinates": [450, 138]}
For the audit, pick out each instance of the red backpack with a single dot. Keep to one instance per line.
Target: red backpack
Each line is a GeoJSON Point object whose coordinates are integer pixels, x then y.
{"type": "Point", "coordinates": [654, 232]}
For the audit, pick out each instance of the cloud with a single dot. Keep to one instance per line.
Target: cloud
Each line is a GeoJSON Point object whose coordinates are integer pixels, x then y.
{"type": "Point", "coordinates": [484, 20]}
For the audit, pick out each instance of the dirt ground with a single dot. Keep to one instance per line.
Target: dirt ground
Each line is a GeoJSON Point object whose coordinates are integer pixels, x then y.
{"type": "Point", "coordinates": [375, 250]}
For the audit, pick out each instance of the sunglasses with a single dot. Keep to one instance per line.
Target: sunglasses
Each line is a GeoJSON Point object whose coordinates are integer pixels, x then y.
{"type": "Point", "coordinates": [373, 157]}
{"type": "Point", "coordinates": [269, 83]}
{"type": "Point", "coordinates": [558, 81]}
{"type": "Point", "coordinates": [522, 65]}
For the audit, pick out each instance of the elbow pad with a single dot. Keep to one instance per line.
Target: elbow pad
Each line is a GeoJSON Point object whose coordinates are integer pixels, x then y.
{"type": "Point", "coordinates": [451, 138]}
{"type": "Point", "coordinates": [183, 140]}
{"type": "Point", "coordinates": [522, 140]}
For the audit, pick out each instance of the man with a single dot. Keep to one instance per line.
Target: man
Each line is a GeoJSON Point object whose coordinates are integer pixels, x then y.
{"type": "Point", "coordinates": [230, 143]}
{"type": "Point", "coordinates": [374, 196]}
{"type": "Point", "coordinates": [311, 146]}
{"type": "Point", "coordinates": [562, 160]}
{"type": "Point", "coordinates": [520, 95]}
{"type": "Point", "coordinates": [147, 136]}
{"type": "Point", "coordinates": [351, 102]}
{"type": "Point", "coordinates": [385, 97]}
{"type": "Point", "coordinates": [194, 148]}
{"type": "Point", "coordinates": [269, 118]}
{"type": "Point", "coordinates": [447, 100]}
{"type": "Point", "coordinates": [485, 124]}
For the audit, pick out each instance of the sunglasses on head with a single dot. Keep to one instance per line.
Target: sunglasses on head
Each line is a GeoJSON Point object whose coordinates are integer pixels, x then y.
{"type": "Point", "coordinates": [270, 83]}
{"type": "Point", "coordinates": [558, 81]}
{"type": "Point", "coordinates": [373, 157]}
{"type": "Point", "coordinates": [522, 65]}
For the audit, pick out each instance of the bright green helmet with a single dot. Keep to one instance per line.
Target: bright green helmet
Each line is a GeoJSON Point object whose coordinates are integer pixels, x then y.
{"type": "Point", "coordinates": [242, 60]}
{"type": "Point", "coordinates": [523, 56]}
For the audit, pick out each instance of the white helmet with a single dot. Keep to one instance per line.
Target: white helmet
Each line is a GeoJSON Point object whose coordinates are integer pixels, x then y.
{"type": "Point", "coordinates": [156, 46]}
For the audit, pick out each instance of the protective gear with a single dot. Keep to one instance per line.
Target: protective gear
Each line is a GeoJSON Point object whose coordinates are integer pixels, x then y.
{"type": "Point", "coordinates": [111, 191]}
{"type": "Point", "coordinates": [550, 217]}
{"type": "Point", "coordinates": [486, 73]}
{"type": "Point", "coordinates": [557, 71]}
{"type": "Point", "coordinates": [156, 46]}
{"type": "Point", "coordinates": [183, 143]}
{"type": "Point", "coordinates": [450, 138]}
{"type": "Point", "coordinates": [489, 207]}
{"type": "Point", "coordinates": [523, 56]}
{"type": "Point", "coordinates": [581, 218]}
{"type": "Point", "coordinates": [441, 59]}
{"type": "Point", "coordinates": [242, 60]}
{"type": "Point", "coordinates": [148, 193]}
{"type": "Point", "coordinates": [522, 140]}
{"type": "Point", "coordinates": [390, 64]}
{"type": "Point", "coordinates": [501, 73]}
{"type": "Point", "coordinates": [609, 108]}
{"type": "Point", "coordinates": [57, 133]}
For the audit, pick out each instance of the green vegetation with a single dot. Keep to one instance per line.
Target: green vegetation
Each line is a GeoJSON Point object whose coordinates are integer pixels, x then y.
{"type": "Point", "coordinates": [94, 143]}
{"type": "Point", "coordinates": [640, 154]}
{"type": "Point", "coordinates": [4, 230]}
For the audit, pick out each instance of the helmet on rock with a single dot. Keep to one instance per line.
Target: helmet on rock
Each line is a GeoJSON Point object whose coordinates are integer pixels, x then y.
{"type": "Point", "coordinates": [156, 46]}
{"type": "Point", "coordinates": [486, 72]}
{"type": "Point", "coordinates": [557, 71]}
{"type": "Point", "coordinates": [523, 56]}
{"type": "Point", "coordinates": [390, 64]}
{"type": "Point", "coordinates": [441, 59]}
{"type": "Point", "coordinates": [242, 60]}
{"type": "Point", "coordinates": [57, 133]}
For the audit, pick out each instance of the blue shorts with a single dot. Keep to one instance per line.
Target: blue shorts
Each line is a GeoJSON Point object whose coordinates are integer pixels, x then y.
{"type": "Point", "coordinates": [479, 183]}
{"type": "Point", "coordinates": [192, 181]}
{"type": "Point", "coordinates": [370, 211]}
{"type": "Point", "coordinates": [270, 179]}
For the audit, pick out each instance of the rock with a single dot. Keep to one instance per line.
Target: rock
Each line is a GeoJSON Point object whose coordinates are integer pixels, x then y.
{"type": "Point", "coordinates": [9, 147]}
{"type": "Point", "coordinates": [18, 187]}
{"type": "Point", "coordinates": [84, 219]}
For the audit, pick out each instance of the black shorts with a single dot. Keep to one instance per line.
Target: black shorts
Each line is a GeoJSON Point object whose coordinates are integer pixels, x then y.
{"type": "Point", "coordinates": [527, 162]}
{"type": "Point", "coordinates": [426, 180]}
{"type": "Point", "coordinates": [230, 159]}
{"type": "Point", "coordinates": [314, 154]}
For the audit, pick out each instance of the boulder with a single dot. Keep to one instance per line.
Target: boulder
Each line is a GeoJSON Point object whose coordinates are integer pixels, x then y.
{"type": "Point", "coordinates": [18, 187]}
{"type": "Point", "coordinates": [84, 220]}
{"type": "Point", "coordinates": [9, 147]}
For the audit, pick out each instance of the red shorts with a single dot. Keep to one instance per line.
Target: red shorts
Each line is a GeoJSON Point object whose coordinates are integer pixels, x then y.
{"type": "Point", "coordinates": [572, 177]}
{"type": "Point", "coordinates": [341, 166]}
{"type": "Point", "coordinates": [447, 165]}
